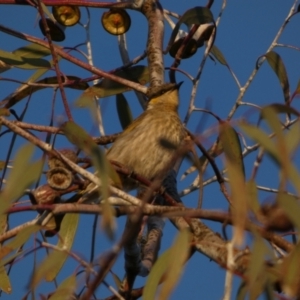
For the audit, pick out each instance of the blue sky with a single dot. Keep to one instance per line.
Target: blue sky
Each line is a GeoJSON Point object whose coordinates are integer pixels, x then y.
{"type": "Point", "coordinates": [246, 30]}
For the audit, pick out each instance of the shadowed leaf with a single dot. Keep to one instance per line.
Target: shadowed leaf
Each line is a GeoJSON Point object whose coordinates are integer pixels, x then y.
{"type": "Point", "coordinates": [231, 145]}
{"type": "Point", "coordinates": [109, 87]}
{"type": "Point", "coordinates": [197, 15]}
{"type": "Point", "coordinates": [278, 67]}
{"type": "Point", "coordinates": [123, 109]}
{"type": "Point", "coordinates": [26, 90]}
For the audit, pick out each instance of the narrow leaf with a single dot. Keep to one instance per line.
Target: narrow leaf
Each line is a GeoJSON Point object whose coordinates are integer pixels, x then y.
{"type": "Point", "coordinates": [291, 206]}
{"type": "Point", "coordinates": [67, 234]}
{"type": "Point", "coordinates": [23, 62]}
{"type": "Point", "coordinates": [197, 15]}
{"type": "Point", "coordinates": [123, 109]}
{"type": "Point", "coordinates": [21, 238]}
{"type": "Point", "coordinates": [32, 51]}
{"type": "Point", "coordinates": [180, 250]}
{"type": "Point", "coordinates": [109, 87]}
{"type": "Point", "coordinates": [17, 182]}
{"type": "Point", "coordinates": [65, 290]}
{"type": "Point", "coordinates": [278, 67]}
{"type": "Point", "coordinates": [218, 55]}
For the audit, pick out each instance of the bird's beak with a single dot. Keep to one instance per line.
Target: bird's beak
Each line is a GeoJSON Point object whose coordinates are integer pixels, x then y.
{"type": "Point", "coordinates": [178, 85]}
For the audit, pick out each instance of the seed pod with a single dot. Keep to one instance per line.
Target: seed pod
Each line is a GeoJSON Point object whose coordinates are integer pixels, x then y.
{"type": "Point", "coordinates": [116, 21]}
{"type": "Point", "coordinates": [56, 33]}
{"type": "Point", "coordinates": [59, 178]}
{"type": "Point", "coordinates": [44, 194]}
{"type": "Point", "coordinates": [54, 162]}
{"type": "Point", "coordinates": [66, 15]}
{"type": "Point", "coordinates": [189, 51]}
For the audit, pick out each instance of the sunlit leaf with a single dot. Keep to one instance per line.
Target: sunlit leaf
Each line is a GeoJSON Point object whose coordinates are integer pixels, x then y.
{"type": "Point", "coordinates": [218, 55]}
{"type": "Point", "coordinates": [23, 62]}
{"type": "Point", "coordinates": [278, 67]}
{"type": "Point", "coordinates": [291, 206]}
{"type": "Point", "coordinates": [163, 267]}
{"type": "Point", "coordinates": [289, 267]}
{"type": "Point", "coordinates": [46, 266]}
{"type": "Point", "coordinates": [4, 279]}
{"type": "Point", "coordinates": [21, 238]}
{"type": "Point", "coordinates": [256, 266]}
{"type": "Point", "coordinates": [292, 138]}
{"type": "Point", "coordinates": [282, 108]}
{"type": "Point", "coordinates": [67, 233]}
{"type": "Point", "coordinates": [5, 285]}
{"type": "Point", "coordinates": [78, 136]}
{"type": "Point", "coordinates": [65, 290]}
{"type": "Point", "coordinates": [17, 182]}
{"type": "Point", "coordinates": [180, 249]}
{"type": "Point", "coordinates": [252, 196]}
{"type": "Point", "coordinates": [32, 51]}
{"type": "Point", "coordinates": [123, 109]}
{"type": "Point", "coordinates": [109, 87]}
{"type": "Point", "coordinates": [262, 138]}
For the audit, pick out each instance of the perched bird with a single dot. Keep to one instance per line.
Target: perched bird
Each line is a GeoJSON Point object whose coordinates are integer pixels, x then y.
{"type": "Point", "coordinates": [140, 146]}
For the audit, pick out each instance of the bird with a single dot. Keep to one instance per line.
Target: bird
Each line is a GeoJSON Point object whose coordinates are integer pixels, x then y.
{"type": "Point", "coordinates": [149, 143]}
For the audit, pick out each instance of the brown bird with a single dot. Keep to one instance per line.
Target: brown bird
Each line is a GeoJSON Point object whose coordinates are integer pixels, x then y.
{"type": "Point", "coordinates": [139, 147]}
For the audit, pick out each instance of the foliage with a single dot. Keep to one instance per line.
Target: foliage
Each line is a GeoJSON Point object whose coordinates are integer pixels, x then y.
{"type": "Point", "coordinates": [54, 167]}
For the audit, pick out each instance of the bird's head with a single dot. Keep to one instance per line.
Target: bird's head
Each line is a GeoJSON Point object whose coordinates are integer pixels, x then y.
{"type": "Point", "coordinates": [166, 94]}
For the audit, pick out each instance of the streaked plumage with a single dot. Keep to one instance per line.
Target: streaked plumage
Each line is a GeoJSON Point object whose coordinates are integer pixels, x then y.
{"type": "Point", "coordinates": [139, 145]}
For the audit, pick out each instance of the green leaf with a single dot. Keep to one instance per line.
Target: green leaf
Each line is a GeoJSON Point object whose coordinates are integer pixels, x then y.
{"type": "Point", "coordinates": [218, 55]}
{"type": "Point", "coordinates": [23, 62]}
{"type": "Point", "coordinates": [242, 291]}
{"type": "Point", "coordinates": [278, 67]}
{"type": "Point", "coordinates": [124, 112]}
{"type": "Point", "coordinates": [21, 238]}
{"type": "Point", "coordinates": [10, 100]}
{"type": "Point", "coordinates": [290, 268]}
{"type": "Point", "coordinates": [45, 268]}
{"type": "Point", "coordinates": [67, 234]}
{"type": "Point", "coordinates": [78, 137]}
{"type": "Point", "coordinates": [65, 290]}
{"type": "Point", "coordinates": [263, 139]}
{"type": "Point", "coordinates": [26, 90]}
{"type": "Point", "coordinates": [291, 207]}
{"type": "Point", "coordinates": [281, 108]}
{"type": "Point", "coordinates": [108, 87]}
{"type": "Point", "coordinates": [252, 196]}
{"type": "Point", "coordinates": [163, 266]}
{"type": "Point", "coordinates": [5, 285]}
{"type": "Point", "coordinates": [257, 258]}
{"type": "Point", "coordinates": [17, 181]}
{"type": "Point", "coordinates": [231, 145]}
{"type": "Point", "coordinates": [197, 15]}
{"type": "Point", "coordinates": [180, 249]}
{"type": "Point", "coordinates": [32, 51]}
{"type": "Point", "coordinates": [292, 138]}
